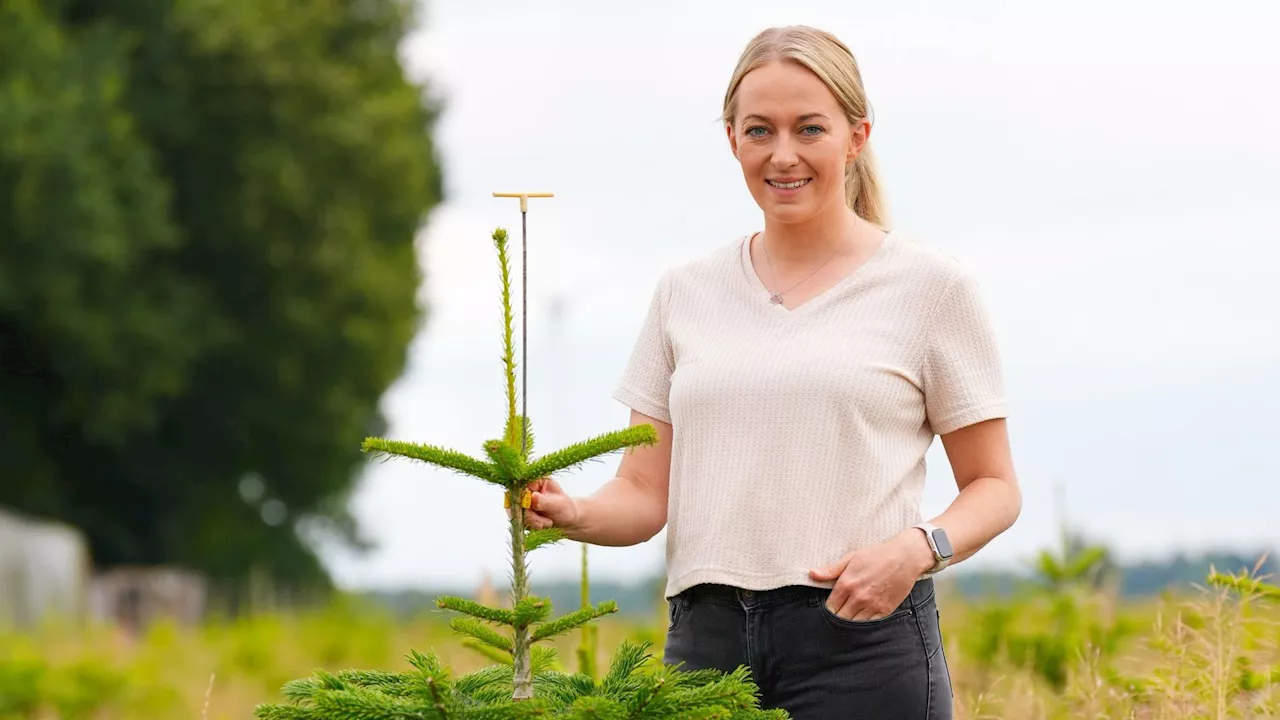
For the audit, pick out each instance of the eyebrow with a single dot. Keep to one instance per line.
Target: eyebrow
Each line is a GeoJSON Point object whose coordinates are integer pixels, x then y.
{"type": "Point", "coordinates": [802, 118]}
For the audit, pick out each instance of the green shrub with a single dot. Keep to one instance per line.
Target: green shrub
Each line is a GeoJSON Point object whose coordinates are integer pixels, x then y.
{"type": "Point", "coordinates": [20, 681]}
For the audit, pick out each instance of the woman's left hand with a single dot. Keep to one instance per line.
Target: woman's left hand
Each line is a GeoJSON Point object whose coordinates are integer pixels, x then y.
{"type": "Point", "coordinates": [872, 582]}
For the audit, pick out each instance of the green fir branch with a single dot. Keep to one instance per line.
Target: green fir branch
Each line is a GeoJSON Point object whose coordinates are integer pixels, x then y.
{"type": "Point", "coordinates": [475, 609]}
{"type": "Point", "coordinates": [509, 710]}
{"type": "Point", "coordinates": [713, 712]}
{"type": "Point", "coordinates": [437, 699]}
{"type": "Point", "coordinates": [328, 681]}
{"type": "Point", "coordinates": [433, 681]}
{"type": "Point", "coordinates": [574, 619]}
{"type": "Point", "coordinates": [668, 692]}
{"type": "Point", "coordinates": [482, 633]}
{"type": "Point", "coordinates": [594, 707]}
{"type": "Point", "coordinates": [428, 666]}
{"type": "Point", "coordinates": [579, 453]}
{"type": "Point", "coordinates": [565, 688]}
{"type": "Point", "coordinates": [532, 610]}
{"type": "Point", "coordinates": [395, 684]}
{"type": "Point", "coordinates": [516, 426]}
{"type": "Point", "coordinates": [491, 653]}
{"type": "Point", "coordinates": [266, 711]}
{"type": "Point", "coordinates": [362, 704]}
{"type": "Point", "coordinates": [493, 683]}
{"type": "Point", "coordinates": [543, 659]}
{"type": "Point", "coordinates": [507, 462]}
{"type": "Point", "coordinates": [301, 689]}
{"type": "Point", "coordinates": [508, 349]}
{"type": "Point", "coordinates": [448, 459]}
{"type": "Point", "coordinates": [627, 659]}
{"type": "Point", "coordinates": [694, 692]}
{"type": "Point", "coordinates": [492, 676]}
{"type": "Point", "coordinates": [734, 689]}
{"type": "Point", "coordinates": [639, 703]}
{"type": "Point", "coordinates": [492, 695]}
{"type": "Point", "coordinates": [535, 539]}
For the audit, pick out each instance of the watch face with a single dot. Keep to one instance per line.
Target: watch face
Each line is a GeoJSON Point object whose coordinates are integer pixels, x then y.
{"type": "Point", "coordinates": [944, 544]}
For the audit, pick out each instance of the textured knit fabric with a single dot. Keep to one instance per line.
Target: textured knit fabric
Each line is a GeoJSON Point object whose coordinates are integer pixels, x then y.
{"type": "Point", "coordinates": [800, 434]}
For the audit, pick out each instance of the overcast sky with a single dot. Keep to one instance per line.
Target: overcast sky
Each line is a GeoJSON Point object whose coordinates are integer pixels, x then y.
{"type": "Point", "coordinates": [1110, 171]}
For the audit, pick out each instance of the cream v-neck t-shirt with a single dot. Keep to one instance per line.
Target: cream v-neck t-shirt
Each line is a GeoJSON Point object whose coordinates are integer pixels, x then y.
{"type": "Point", "coordinates": [799, 435]}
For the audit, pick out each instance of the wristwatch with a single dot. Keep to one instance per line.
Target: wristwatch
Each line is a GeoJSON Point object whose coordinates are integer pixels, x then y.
{"type": "Point", "coordinates": [941, 546]}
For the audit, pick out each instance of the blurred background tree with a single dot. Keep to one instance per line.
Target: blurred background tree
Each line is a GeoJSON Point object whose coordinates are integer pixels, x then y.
{"type": "Point", "coordinates": [207, 268]}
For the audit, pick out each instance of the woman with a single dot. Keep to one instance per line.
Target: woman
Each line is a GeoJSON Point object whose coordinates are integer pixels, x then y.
{"type": "Point", "coordinates": [796, 378]}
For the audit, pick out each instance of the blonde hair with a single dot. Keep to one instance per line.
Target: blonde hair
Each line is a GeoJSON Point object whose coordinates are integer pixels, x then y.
{"type": "Point", "coordinates": [827, 57]}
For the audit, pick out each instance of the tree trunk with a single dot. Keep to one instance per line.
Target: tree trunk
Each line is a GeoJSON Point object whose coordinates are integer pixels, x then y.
{"type": "Point", "coordinates": [519, 588]}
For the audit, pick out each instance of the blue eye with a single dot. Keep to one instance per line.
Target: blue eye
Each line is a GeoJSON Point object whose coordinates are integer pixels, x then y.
{"type": "Point", "coordinates": [752, 129]}
{"type": "Point", "coordinates": [813, 127]}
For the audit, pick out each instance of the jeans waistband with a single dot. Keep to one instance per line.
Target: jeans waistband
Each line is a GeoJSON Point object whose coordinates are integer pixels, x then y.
{"type": "Point", "coordinates": [732, 595]}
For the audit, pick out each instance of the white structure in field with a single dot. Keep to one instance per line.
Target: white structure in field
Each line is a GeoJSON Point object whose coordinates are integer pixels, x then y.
{"type": "Point", "coordinates": [45, 571]}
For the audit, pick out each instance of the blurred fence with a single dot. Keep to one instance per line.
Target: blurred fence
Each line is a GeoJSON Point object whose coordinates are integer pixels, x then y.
{"type": "Point", "coordinates": [133, 597]}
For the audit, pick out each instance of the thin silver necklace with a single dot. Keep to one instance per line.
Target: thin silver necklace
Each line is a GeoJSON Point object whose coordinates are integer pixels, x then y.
{"type": "Point", "coordinates": [776, 298]}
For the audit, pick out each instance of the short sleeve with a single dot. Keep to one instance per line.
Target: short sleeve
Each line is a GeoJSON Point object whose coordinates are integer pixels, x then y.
{"type": "Point", "coordinates": [646, 381]}
{"type": "Point", "coordinates": [963, 375]}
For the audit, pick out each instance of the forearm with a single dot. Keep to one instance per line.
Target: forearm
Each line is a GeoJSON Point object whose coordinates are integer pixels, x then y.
{"type": "Point", "coordinates": [623, 512]}
{"type": "Point", "coordinates": [985, 508]}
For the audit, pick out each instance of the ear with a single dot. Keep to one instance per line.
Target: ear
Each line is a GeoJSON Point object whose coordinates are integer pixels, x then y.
{"type": "Point", "coordinates": [733, 138]}
{"type": "Point", "coordinates": [859, 134]}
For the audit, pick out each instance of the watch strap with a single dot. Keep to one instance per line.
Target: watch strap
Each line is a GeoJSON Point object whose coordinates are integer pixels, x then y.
{"type": "Point", "coordinates": [939, 562]}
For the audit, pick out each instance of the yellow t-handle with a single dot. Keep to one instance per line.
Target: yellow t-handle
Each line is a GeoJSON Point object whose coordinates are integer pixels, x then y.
{"type": "Point", "coordinates": [526, 499]}
{"type": "Point", "coordinates": [524, 198]}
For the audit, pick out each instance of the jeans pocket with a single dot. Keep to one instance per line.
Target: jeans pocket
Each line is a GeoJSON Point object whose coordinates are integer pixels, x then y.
{"type": "Point", "coordinates": [677, 607]}
{"type": "Point", "coordinates": [902, 611]}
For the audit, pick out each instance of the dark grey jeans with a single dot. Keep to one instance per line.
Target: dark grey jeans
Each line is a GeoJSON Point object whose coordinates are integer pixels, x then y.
{"type": "Point", "coordinates": [811, 663]}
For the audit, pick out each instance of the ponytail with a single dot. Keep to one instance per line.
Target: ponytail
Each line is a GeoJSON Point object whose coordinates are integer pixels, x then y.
{"type": "Point", "coordinates": [863, 191]}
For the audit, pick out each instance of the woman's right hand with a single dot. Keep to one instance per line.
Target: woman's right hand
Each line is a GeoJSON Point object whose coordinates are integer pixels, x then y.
{"type": "Point", "coordinates": [551, 506]}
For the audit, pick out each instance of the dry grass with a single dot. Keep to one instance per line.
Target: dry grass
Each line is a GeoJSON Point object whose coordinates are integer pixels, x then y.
{"type": "Point", "coordinates": [1214, 654]}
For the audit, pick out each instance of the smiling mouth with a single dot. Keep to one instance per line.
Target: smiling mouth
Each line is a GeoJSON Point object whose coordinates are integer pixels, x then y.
{"type": "Point", "coordinates": [790, 185]}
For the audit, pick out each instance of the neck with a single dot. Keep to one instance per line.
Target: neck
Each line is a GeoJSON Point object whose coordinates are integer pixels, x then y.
{"type": "Point", "coordinates": [838, 230]}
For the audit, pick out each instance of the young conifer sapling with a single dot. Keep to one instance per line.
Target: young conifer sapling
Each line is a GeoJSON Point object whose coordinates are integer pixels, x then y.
{"type": "Point", "coordinates": [516, 636]}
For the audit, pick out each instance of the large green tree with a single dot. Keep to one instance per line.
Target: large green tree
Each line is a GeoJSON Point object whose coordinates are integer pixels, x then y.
{"type": "Point", "coordinates": [207, 268]}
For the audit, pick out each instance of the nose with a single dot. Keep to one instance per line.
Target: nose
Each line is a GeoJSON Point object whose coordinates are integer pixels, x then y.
{"type": "Point", "coordinates": [784, 154]}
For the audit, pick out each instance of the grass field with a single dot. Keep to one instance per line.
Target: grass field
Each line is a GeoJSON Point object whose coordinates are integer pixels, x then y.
{"type": "Point", "coordinates": [1068, 651]}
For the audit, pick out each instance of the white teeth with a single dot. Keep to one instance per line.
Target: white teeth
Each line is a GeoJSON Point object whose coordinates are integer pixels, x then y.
{"type": "Point", "coordinates": [788, 186]}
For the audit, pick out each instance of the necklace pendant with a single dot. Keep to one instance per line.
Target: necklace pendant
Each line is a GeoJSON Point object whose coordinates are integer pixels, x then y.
{"type": "Point", "coordinates": [776, 299]}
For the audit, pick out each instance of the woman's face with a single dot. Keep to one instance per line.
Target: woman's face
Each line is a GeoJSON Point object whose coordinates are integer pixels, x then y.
{"type": "Point", "coordinates": [793, 141]}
